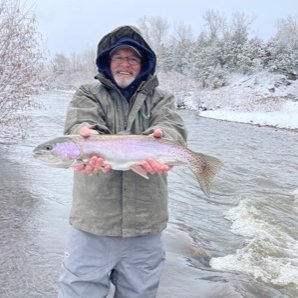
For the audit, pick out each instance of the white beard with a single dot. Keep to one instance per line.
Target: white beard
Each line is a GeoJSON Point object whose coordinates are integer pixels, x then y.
{"type": "Point", "coordinates": [123, 82]}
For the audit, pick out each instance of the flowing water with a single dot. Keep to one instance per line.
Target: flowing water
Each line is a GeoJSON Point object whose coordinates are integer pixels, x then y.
{"type": "Point", "coordinates": [240, 242]}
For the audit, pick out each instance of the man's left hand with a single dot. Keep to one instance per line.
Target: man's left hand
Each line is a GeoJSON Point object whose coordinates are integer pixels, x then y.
{"type": "Point", "coordinates": [152, 166]}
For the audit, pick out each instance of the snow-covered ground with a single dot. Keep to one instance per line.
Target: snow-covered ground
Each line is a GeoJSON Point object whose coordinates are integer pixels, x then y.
{"type": "Point", "coordinates": [263, 99]}
{"type": "Point", "coordinates": [286, 117]}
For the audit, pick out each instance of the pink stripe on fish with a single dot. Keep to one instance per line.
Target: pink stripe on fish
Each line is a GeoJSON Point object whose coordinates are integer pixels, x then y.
{"type": "Point", "coordinates": [67, 150]}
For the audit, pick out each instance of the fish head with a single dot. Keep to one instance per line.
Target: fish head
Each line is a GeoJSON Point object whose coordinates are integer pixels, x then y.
{"type": "Point", "coordinates": [60, 152]}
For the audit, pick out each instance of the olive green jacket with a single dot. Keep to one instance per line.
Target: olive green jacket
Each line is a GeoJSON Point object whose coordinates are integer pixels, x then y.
{"type": "Point", "coordinates": [122, 203]}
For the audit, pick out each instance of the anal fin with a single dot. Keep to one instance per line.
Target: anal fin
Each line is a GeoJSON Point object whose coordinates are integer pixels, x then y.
{"type": "Point", "coordinates": [139, 170]}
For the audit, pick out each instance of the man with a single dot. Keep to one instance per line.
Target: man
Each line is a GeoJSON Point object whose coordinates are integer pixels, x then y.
{"type": "Point", "coordinates": [117, 216]}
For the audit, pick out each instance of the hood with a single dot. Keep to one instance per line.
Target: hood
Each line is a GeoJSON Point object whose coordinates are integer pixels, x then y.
{"type": "Point", "coordinates": [128, 35]}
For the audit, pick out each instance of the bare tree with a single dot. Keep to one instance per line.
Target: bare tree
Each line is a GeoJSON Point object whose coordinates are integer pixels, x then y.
{"type": "Point", "coordinates": [60, 64]}
{"type": "Point", "coordinates": [240, 26]}
{"type": "Point", "coordinates": [88, 58]}
{"type": "Point", "coordinates": [287, 34]}
{"type": "Point", "coordinates": [180, 50]}
{"type": "Point", "coordinates": [215, 25]}
{"type": "Point", "coordinates": [184, 34]}
{"type": "Point", "coordinates": [71, 71]}
{"type": "Point", "coordinates": [155, 30]}
{"type": "Point", "coordinates": [20, 67]}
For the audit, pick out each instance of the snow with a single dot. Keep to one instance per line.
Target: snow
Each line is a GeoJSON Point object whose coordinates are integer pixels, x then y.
{"type": "Point", "coordinates": [286, 117]}
{"type": "Point", "coordinates": [264, 99]}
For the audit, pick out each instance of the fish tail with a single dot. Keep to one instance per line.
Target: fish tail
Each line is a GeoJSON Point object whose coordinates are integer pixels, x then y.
{"type": "Point", "coordinates": [205, 167]}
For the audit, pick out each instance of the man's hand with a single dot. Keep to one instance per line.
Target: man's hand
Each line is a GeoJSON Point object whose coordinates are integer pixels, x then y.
{"type": "Point", "coordinates": [86, 132]}
{"type": "Point", "coordinates": [95, 163]}
{"type": "Point", "coordinates": [152, 166]}
{"type": "Point", "coordinates": [157, 133]}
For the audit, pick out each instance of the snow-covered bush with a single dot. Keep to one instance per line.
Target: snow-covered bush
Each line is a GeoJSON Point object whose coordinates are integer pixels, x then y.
{"type": "Point", "coordinates": [20, 67]}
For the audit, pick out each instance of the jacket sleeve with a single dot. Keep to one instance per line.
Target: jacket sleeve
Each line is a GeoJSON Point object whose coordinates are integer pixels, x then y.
{"type": "Point", "coordinates": [84, 110]}
{"type": "Point", "coordinates": [165, 116]}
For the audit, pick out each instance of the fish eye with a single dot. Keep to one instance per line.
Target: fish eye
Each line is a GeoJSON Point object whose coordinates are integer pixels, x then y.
{"type": "Point", "coordinates": [48, 147]}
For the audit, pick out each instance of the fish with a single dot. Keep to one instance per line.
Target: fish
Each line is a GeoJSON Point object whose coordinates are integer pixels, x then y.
{"type": "Point", "coordinates": [127, 152]}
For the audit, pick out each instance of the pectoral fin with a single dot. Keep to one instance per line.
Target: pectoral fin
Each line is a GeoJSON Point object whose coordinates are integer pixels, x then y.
{"type": "Point", "coordinates": [78, 162]}
{"type": "Point", "coordinates": [139, 170]}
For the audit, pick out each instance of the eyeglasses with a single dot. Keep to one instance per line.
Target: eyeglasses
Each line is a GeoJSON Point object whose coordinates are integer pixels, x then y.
{"type": "Point", "coordinates": [130, 59]}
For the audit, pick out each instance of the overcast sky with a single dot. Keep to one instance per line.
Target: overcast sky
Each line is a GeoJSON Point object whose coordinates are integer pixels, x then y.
{"type": "Point", "coordinates": [75, 25]}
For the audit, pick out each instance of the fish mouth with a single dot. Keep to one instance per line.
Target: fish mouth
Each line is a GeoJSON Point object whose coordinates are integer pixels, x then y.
{"type": "Point", "coordinates": [37, 154]}
{"type": "Point", "coordinates": [51, 161]}
{"type": "Point", "coordinates": [44, 158]}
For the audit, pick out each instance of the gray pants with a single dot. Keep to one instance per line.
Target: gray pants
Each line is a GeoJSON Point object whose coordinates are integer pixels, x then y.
{"type": "Point", "coordinates": [91, 262]}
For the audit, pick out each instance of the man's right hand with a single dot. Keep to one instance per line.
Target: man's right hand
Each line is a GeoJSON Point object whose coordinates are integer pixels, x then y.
{"type": "Point", "coordinates": [95, 163]}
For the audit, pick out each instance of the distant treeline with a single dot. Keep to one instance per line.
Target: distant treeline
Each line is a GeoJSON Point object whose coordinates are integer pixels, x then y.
{"type": "Point", "coordinates": [223, 46]}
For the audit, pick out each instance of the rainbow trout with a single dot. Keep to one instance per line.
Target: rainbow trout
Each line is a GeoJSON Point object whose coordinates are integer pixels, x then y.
{"type": "Point", "coordinates": [126, 152]}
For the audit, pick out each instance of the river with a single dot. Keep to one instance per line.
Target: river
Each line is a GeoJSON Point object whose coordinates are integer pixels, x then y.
{"type": "Point", "coordinates": [240, 242]}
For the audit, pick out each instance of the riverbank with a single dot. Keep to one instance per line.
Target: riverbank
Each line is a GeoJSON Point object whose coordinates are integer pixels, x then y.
{"type": "Point", "coordinates": [285, 118]}
{"type": "Point", "coordinates": [236, 119]}
{"type": "Point", "coordinates": [262, 99]}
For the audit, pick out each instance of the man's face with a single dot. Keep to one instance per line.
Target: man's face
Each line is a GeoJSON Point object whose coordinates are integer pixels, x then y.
{"type": "Point", "coordinates": [125, 66]}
